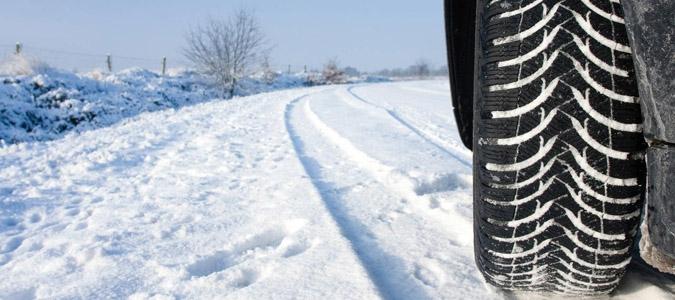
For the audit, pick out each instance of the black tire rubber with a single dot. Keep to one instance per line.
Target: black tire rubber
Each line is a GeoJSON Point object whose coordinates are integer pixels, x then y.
{"type": "Point", "coordinates": [558, 146]}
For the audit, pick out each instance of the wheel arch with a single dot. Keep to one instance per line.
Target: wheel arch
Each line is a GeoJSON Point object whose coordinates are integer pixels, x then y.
{"type": "Point", "coordinates": [460, 31]}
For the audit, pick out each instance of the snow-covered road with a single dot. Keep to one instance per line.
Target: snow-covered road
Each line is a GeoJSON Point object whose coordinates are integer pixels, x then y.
{"type": "Point", "coordinates": [343, 192]}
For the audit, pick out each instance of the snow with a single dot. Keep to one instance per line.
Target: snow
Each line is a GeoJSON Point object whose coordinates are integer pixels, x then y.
{"type": "Point", "coordinates": [345, 192]}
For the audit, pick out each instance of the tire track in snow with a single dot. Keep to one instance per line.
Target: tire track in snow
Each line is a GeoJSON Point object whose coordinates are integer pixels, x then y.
{"type": "Point", "coordinates": [377, 263]}
{"type": "Point", "coordinates": [425, 136]}
{"type": "Point", "coordinates": [398, 185]}
{"type": "Point", "coordinates": [394, 180]}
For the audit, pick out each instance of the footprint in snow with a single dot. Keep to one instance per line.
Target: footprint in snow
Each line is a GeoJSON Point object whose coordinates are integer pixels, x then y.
{"type": "Point", "coordinates": [4, 258]}
{"type": "Point", "coordinates": [9, 222]}
{"type": "Point", "coordinates": [429, 273]}
{"type": "Point", "coordinates": [81, 226]}
{"type": "Point", "coordinates": [26, 294]}
{"type": "Point", "coordinates": [96, 200]}
{"type": "Point", "coordinates": [72, 212]}
{"type": "Point", "coordinates": [247, 277]}
{"type": "Point", "coordinates": [35, 218]}
{"type": "Point", "coordinates": [12, 244]}
{"type": "Point", "coordinates": [439, 184]}
{"type": "Point", "coordinates": [275, 242]}
{"type": "Point", "coordinates": [294, 248]}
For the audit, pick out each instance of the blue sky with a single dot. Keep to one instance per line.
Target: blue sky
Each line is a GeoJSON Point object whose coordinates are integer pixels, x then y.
{"type": "Point", "coordinates": [368, 34]}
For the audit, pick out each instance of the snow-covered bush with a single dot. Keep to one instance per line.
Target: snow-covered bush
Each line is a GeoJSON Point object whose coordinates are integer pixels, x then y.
{"type": "Point", "coordinates": [47, 105]}
{"type": "Point", "coordinates": [16, 65]}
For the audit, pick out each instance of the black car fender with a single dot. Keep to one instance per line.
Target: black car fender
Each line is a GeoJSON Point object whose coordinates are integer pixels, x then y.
{"type": "Point", "coordinates": [460, 31]}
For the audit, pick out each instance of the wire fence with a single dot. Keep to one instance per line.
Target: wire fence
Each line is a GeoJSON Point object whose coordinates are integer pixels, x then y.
{"type": "Point", "coordinates": [82, 61]}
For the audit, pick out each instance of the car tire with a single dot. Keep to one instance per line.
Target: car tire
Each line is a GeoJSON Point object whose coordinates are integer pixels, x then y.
{"type": "Point", "coordinates": [558, 146]}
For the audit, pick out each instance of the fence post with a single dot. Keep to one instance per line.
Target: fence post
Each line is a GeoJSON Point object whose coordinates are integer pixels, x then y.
{"type": "Point", "coordinates": [305, 68]}
{"type": "Point", "coordinates": [18, 48]}
{"type": "Point", "coordinates": [109, 62]}
{"type": "Point", "coordinates": [163, 65]}
{"type": "Point", "coordinates": [289, 69]}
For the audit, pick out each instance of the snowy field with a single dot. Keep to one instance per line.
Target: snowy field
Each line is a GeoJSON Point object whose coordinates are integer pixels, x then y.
{"type": "Point", "coordinates": [339, 192]}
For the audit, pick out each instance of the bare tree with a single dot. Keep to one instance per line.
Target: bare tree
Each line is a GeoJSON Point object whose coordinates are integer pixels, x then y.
{"type": "Point", "coordinates": [421, 68]}
{"type": "Point", "coordinates": [227, 49]}
{"type": "Point", "coordinates": [332, 74]}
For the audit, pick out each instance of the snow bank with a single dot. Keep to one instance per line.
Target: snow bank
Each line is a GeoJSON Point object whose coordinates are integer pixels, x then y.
{"type": "Point", "coordinates": [41, 103]}
{"type": "Point", "coordinates": [48, 104]}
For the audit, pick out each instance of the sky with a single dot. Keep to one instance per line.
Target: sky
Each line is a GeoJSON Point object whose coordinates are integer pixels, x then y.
{"type": "Point", "coordinates": [367, 34]}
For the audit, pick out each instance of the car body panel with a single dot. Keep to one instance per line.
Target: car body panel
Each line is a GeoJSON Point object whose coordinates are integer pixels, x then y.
{"type": "Point", "coordinates": [650, 25]}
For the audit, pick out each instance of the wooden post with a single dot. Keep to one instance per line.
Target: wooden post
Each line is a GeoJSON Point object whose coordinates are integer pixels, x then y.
{"type": "Point", "coordinates": [289, 69]}
{"type": "Point", "coordinates": [109, 62]}
{"type": "Point", "coordinates": [163, 65]}
{"type": "Point", "coordinates": [18, 48]}
{"type": "Point", "coordinates": [305, 68]}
